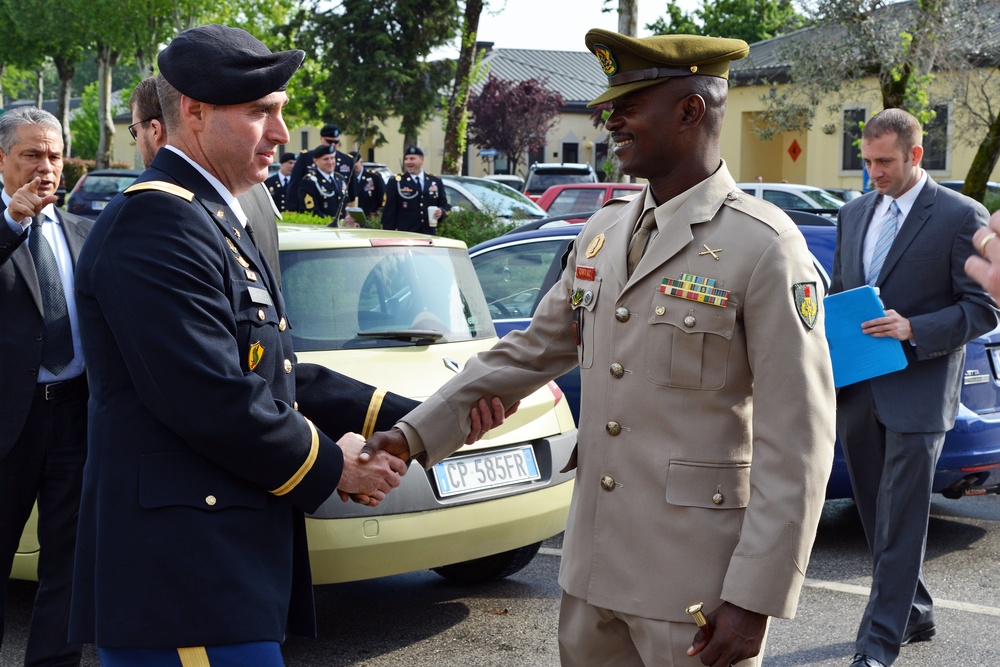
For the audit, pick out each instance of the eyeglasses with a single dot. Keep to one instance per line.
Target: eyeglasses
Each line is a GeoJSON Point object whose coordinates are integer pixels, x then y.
{"type": "Point", "coordinates": [131, 128]}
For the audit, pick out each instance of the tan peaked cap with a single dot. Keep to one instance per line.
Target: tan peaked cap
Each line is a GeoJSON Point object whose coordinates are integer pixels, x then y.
{"type": "Point", "coordinates": [632, 63]}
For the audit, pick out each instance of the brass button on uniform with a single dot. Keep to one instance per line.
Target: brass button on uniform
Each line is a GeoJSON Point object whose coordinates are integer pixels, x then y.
{"type": "Point", "coordinates": [690, 321]}
{"type": "Point", "coordinates": [613, 428]}
{"type": "Point", "coordinates": [608, 483]}
{"type": "Point", "coordinates": [718, 498]}
{"type": "Point", "coordinates": [288, 366]}
{"type": "Point", "coordinates": [622, 314]}
{"type": "Point", "coordinates": [617, 370]}
{"type": "Point", "coordinates": [210, 501]}
{"type": "Point", "coordinates": [282, 324]}
{"type": "Point", "coordinates": [261, 315]}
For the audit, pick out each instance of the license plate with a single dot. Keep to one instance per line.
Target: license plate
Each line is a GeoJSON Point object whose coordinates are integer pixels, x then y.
{"type": "Point", "coordinates": [475, 472]}
{"type": "Point", "coordinates": [98, 205]}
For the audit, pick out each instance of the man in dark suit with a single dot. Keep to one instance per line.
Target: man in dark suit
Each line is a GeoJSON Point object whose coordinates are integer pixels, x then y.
{"type": "Point", "coordinates": [409, 196]}
{"type": "Point", "coordinates": [277, 185]}
{"type": "Point", "coordinates": [909, 239]}
{"type": "Point", "coordinates": [44, 388]}
{"type": "Point", "coordinates": [200, 464]}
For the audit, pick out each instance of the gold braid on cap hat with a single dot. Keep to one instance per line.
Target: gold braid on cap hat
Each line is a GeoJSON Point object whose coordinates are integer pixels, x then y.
{"type": "Point", "coordinates": [649, 74]}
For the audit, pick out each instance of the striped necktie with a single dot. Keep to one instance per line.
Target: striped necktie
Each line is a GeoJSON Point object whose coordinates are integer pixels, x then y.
{"type": "Point", "coordinates": [57, 342]}
{"type": "Point", "coordinates": [886, 235]}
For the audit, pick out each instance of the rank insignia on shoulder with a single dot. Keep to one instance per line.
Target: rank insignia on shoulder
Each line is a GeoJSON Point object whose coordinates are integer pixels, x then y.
{"type": "Point", "coordinates": [595, 246]}
{"type": "Point", "coordinates": [806, 304]}
{"type": "Point", "coordinates": [255, 354]}
{"type": "Point", "coordinates": [161, 186]}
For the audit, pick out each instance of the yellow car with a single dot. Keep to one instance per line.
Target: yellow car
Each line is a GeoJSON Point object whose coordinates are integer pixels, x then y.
{"type": "Point", "coordinates": [404, 312]}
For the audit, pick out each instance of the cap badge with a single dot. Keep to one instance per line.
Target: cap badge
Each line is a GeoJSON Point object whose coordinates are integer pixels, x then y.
{"type": "Point", "coordinates": [607, 61]}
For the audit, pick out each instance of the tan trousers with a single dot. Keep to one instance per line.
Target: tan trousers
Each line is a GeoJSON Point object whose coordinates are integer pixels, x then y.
{"type": "Point", "coordinates": [594, 637]}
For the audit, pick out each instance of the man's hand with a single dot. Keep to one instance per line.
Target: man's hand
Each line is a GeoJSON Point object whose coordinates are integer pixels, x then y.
{"type": "Point", "coordinates": [486, 416]}
{"type": "Point", "coordinates": [893, 325]}
{"type": "Point", "coordinates": [986, 269]}
{"type": "Point", "coordinates": [367, 481]}
{"type": "Point", "coordinates": [732, 634]}
{"type": "Point", "coordinates": [26, 203]}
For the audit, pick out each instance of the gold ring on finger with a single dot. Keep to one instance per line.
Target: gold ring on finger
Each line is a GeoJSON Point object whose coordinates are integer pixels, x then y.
{"type": "Point", "coordinates": [986, 239]}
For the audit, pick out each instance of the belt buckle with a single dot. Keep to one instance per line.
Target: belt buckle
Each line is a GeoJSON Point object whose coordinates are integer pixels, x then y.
{"type": "Point", "coordinates": [49, 386]}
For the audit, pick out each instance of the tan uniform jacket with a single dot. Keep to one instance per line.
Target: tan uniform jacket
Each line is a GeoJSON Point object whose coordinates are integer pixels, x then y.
{"type": "Point", "coordinates": [716, 441]}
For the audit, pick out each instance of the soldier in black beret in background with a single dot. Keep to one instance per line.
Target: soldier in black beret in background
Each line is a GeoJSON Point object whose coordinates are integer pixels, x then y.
{"type": "Point", "coordinates": [323, 192]}
{"type": "Point", "coordinates": [277, 185]}
{"type": "Point", "coordinates": [410, 196]}
{"type": "Point", "coordinates": [329, 135]}
{"type": "Point", "coordinates": [207, 441]}
{"type": "Point", "coordinates": [367, 187]}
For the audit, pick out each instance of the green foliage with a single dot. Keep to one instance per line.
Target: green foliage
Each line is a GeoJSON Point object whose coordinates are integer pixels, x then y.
{"type": "Point", "coordinates": [749, 20]}
{"type": "Point", "coordinates": [474, 227]}
{"type": "Point", "coordinates": [296, 218]}
{"type": "Point", "coordinates": [992, 202]}
{"type": "Point", "coordinates": [85, 125]}
{"type": "Point", "coordinates": [74, 168]}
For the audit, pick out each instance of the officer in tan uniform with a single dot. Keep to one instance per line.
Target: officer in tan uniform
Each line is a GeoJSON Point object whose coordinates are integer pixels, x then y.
{"type": "Point", "coordinates": [707, 415]}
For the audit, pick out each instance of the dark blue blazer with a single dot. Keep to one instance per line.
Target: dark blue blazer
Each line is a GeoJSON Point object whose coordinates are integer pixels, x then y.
{"type": "Point", "coordinates": [21, 303]}
{"type": "Point", "coordinates": [924, 280]}
{"type": "Point", "coordinates": [199, 466]}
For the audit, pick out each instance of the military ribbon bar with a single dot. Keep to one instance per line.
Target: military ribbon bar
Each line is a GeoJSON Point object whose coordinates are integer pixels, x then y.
{"type": "Point", "coordinates": [695, 288]}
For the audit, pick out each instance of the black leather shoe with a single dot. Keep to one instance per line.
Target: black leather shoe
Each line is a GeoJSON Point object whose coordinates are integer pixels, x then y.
{"type": "Point", "coordinates": [861, 660]}
{"type": "Point", "coordinates": [919, 633]}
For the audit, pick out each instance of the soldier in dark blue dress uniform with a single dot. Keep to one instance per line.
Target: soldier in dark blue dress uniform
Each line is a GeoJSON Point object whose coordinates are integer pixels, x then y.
{"type": "Point", "coordinates": [322, 191]}
{"type": "Point", "coordinates": [277, 185]}
{"type": "Point", "coordinates": [207, 441]}
{"type": "Point", "coordinates": [367, 187]}
{"type": "Point", "coordinates": [329, 135]}
{"type": "Point", "coordinates": [409, 195]}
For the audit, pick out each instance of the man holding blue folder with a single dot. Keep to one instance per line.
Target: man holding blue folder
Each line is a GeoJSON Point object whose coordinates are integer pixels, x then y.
{"type": "Point", "coordinates": [909, 238]}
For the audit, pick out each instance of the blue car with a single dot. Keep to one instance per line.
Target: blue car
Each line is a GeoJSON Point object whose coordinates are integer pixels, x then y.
{"type": "Point", "coordinates": [516, 269]}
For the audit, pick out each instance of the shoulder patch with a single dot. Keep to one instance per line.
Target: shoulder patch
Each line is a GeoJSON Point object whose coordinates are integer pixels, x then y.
{"type": "Point", "coordinates": [161, 186]}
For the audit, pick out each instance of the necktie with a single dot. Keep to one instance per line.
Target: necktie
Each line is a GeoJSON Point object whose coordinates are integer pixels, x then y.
{"type": "Point", "coordinates": [640, 238]}
{"type": "Point", "coordinates": [886, 235]}
{"type": "Point", "coordinates": [57, 344]}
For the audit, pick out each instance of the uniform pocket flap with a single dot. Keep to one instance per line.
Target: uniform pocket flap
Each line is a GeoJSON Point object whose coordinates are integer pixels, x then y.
{"type": "Point", "coordinates": [708, 485]}
{"type": "Point", "coordinates": [184, 479]}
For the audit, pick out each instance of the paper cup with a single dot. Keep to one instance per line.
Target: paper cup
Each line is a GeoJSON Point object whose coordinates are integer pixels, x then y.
{"type": "Point", "coordinates": [432, 215]}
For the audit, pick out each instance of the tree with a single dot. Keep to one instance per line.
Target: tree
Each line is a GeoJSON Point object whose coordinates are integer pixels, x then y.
{"type": "Point", "coordinates": [898, 47]}
{"type": "Point", "coordinates": [456, 126]}
{"type": "Point", "coordinates": [514, 117]}
{"type": "Point", "coordinates": [749, 20]}
{"type": "Point", "coordinates": [368, 60]}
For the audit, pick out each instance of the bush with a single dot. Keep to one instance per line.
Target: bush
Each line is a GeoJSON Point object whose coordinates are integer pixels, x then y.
{"type": "Point", "coordinates": [473, 226]}
{"type": "Point", "coordinates": [73, 169]}
{"type": "Point", "coordinates": [303, 218]}
{"type": "Point", "coordinates": [991, 201]}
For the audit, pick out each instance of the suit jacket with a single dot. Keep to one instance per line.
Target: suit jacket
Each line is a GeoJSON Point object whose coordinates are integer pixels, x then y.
{"type": "Point", "coordinates": [924, 280]}
{"type": "Point", "coordinates": [276, 190]}
{"type": "Point", "coordinates": [406, 204]}
{"type": "Point", "coordinates": [21, 309]}
{"type": "Point", "coordinates": [263, 219]}
{"type": "Point", "coordinates": [703, 454]}
{"type": "Point", "coordinates": [200, 466]}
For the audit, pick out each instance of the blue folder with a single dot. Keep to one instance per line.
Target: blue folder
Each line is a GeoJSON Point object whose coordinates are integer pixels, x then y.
{"type": "Point", "coordinates": [857, 356]}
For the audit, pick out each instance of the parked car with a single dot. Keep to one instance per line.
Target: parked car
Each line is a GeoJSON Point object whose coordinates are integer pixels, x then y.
{"type": "Point", "coordinates": [381, 169]}
{"type": "Point", "coordinates": [518, 268]}
{"type": "Point", "coordinates": [847, 194]}
{"type": "Point", "coordinates": [511, 180]}
{"type": "Point", "coordinates": [96, 188]}
{"type": "Point", "coordinates": [483, 194]}
{"type": "Point", "coordinates": [543, 175]}
{"type": "Point", "coordinates": [404, 312]}
{"type": "Point", "coordinates": [583, 197]}
{"type": "Point", "coordinates": [992, 187]}
{"type": "Point", "coordinates": [794, 197]}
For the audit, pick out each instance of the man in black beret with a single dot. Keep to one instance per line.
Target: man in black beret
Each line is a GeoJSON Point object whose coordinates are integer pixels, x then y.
{"type": "Point", "coordinates": [329, 135]}
{"type": "Point", "coordinates": [207, 442]}
{"type": "Point", "coordinates": [415, 201]}
{"type": "Point", "coordinates": [277, 185]}
{"type": "Point", "coordinates": [322, 191]}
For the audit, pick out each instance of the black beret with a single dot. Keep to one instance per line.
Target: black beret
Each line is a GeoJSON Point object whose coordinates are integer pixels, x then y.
{"type": "Point", "coordinates": [221, 65]}
{"type": "Point", "coordinates": [413, 150]}
{"type": "Point", "coordinates": [287, 157]}
{"type": "Point", "coordinates": [355, 156]}
{"type": "Point", "coordinates": [320, 151]}
{"type": "Point", "coordinates": [331, 131]}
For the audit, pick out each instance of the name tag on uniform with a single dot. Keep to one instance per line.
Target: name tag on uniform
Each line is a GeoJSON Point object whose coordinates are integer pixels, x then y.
{"type": "Point", "coordinates": [260, 296]}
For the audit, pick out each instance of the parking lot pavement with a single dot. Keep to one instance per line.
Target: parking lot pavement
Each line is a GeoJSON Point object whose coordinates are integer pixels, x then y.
{"type": "Point", "coordinates": [421, 620]}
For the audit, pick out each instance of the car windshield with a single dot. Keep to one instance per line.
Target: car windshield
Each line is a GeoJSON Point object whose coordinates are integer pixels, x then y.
{"type": "Point", "coordinates": [383, 296]}
{"type": "Point", "coordinates": [823, 198]}
{"type": "Point", "coordinates": [106, 184]}
{"type": "Point", "coordinates": [541, 182]}
{"type": "Point", "coordinates": [506, 201]}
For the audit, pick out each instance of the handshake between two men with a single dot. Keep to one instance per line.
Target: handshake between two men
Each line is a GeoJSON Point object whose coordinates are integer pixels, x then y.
{"type": "Point", "coordinates": [374, 468]}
